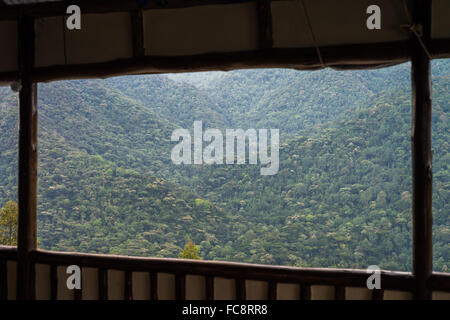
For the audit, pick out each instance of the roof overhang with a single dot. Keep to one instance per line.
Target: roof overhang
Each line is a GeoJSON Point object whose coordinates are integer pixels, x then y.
{"type": "Point", "coordinates": [130, 37]}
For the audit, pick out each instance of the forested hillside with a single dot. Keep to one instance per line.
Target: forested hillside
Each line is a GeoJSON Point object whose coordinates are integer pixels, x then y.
{"type": "Point", "coordinates": [341, 198]}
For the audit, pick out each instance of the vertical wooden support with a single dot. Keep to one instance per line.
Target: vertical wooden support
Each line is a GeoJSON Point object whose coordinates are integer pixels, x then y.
{"type": "Point", "coordinates": [78, 294]}
{"type": "Point", "coordinates": [180, 287]}
{"type": "Point", "coordinates": [241, 290]}
{"type": "Point", "coordinates": [128, 288]}
{"type": "Point", "coordinates": [272, 290]}
{"type": "Point", "coordinates": [265, 24]}
{"type": "Point", "coordinates": [102, 284]}
{"type": "Point", "coordinates": [421, 154]}
{"type": "Point", "coordinates": [153, 286]}
{"type": "Point", "coordinates": [305, 291]}
{"type": "Point", "coordinates": [3, 280]}
{"type": "Point", "coordinates": [209, 288]}
{"type": "Point", "coordinates": [339, 293]}
{"type": "Point", "coordinates": [28, 161]}
{"type": "Point", "coordinates": [53, 282]}
{"type": "Point", "coordinates": [137, 28]}
{"type": "Point", "coordinates": [377, 294]}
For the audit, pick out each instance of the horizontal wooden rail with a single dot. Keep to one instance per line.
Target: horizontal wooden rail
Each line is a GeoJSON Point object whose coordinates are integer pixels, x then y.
{"type": "Point", "coordinates": [439, 281]}
{"type": "Point", "coordinates": [306, 277]}
{"type": "Point", "coordinates": [280, 274]}
{"type": "Point", "coordinates": [8, 253]}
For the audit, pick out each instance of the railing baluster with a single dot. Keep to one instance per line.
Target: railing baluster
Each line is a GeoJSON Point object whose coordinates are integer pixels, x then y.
{"type": "Point", "coordinates": [233, 271]}
{"type": "Point", "coordinates": [339, 293]}
{"type": "Point", "coordinates": [78, 294]}
{"type": "Point", "coordinates": [180, 287]}
{"type": "Point", "coordinates": [240, 289]}
{"type": "Point", "coordinates": [128, 288]}
{"type": "Point", "coordinates": [209, 288]}
{"type": "Point", "coordinates": [53, 282]}
{"type": "Point", "coordinates": [305, 291]}
{"type": "Point", "coordinates": [153, 286]}
{"type": "Point", "coordinates": [3, 280]}
{"type": "Point", "coordinates": [377, 294]}
{"type": "Point", "coordinates": [102, 284]}
{"type": "Point", "coordinates": [272, 290]}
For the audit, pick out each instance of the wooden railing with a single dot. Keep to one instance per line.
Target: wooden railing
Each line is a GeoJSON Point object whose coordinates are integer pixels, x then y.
{"type": "Point", "coordinates": [116, 277]}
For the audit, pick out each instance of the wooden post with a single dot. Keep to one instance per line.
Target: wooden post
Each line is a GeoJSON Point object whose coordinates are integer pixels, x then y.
{"type": "Point", "coordinates": [28, 161]}
{"type": "Point", "coordinates": [421, 154]}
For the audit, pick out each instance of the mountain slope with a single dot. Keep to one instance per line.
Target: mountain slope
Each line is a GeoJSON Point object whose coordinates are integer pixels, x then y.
{"type": "Point", "coordinates": [342, 197]}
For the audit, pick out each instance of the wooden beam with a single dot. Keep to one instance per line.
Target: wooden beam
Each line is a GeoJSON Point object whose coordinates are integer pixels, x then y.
{"type": "Point", "coordinates": [422, 172]}
{"type": "Point", "coordinates": [265, 24]}
{"type": "Point", "coordinates": [137, 28]}
{"type": "Point", "coordinates": [359, 56]}
{"type": "Point", "coordinates": [439, 281]}
{"type": "Point", "coordinates": [8, 253]}
{"type": "Point", "coordinates": [301, 58]}
{"type": "Point", "coordinates": [28, 161]}
{"type": "Point", "coordinates": [51, 9]}
{"type": "Point", "coordinates": [439, 48]}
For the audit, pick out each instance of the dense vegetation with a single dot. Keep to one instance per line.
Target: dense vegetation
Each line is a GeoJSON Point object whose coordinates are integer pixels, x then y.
{"type": "Point", "coordinates": [342, 196]}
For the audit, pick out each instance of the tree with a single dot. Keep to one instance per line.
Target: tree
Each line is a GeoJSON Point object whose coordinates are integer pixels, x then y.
{"type": "Point", "coordinates": [8, 224]}
{"type": "Point", "coordinates": [190, 251]}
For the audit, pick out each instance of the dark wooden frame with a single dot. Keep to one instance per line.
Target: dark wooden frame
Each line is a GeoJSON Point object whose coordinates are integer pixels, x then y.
{"type": "Point", "coordinates": [358, 56]}
{"type": "Point", "coordinates": [27, 182]}
{"type": "Point", "coordinates": [422, 262]}
{"type": "Point", "coordinates": [281, 274]}
{"type": "Point", "coordinates": [240, 272]}
{"type": "Point", "coordinates": [421, 281]}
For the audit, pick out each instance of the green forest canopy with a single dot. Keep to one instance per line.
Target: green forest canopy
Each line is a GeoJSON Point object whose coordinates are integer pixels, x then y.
{"type": "Point", "coordinates": [342, 196]}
